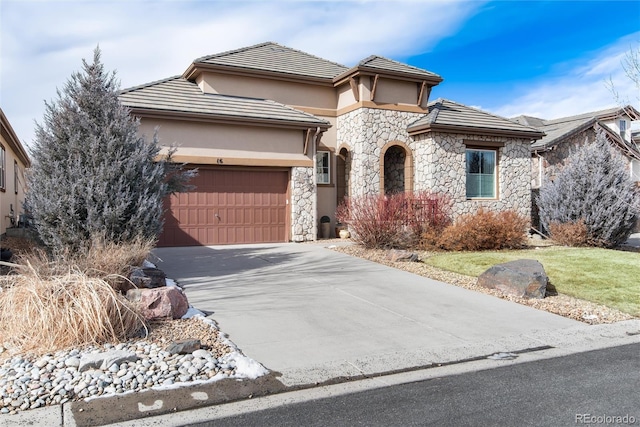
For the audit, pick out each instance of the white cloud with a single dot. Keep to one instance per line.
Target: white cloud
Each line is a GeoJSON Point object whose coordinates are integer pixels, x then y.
{"type": "Point", "coordinates": [44, 42]}
{"type": "Point", "coordinates": [582, 89]}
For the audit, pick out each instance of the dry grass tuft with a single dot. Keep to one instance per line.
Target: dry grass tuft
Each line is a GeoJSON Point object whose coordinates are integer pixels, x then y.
{"type": "Point", "coordinates": [111, 262]}
{"type": "Point", "coordinates": [45, 313]}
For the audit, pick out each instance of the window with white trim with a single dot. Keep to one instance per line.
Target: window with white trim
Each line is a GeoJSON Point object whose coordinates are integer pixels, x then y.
{"type": "Point", "coordinates": [481, 173]}
{"type": "Point", "coordinates": [623, 128]}
{"type": "Point", "coordinates": [323, 167]}
{"type": "Point", "coordinates": [3, 169]}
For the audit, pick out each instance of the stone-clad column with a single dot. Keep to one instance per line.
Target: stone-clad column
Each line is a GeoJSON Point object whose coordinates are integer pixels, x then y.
{"type": "Point", "coordinates": [303, 194]}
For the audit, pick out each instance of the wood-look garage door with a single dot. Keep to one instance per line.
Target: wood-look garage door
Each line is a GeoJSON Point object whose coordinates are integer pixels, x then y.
{"type": "Point", "coordinates": [229, 206]}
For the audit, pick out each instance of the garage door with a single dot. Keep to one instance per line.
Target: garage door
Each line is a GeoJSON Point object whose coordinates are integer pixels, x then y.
{"type": "Point", "coordinates": [229, 206]}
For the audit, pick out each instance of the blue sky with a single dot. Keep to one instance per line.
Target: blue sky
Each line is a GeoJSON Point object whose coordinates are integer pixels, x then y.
{"type": "Point", "coordinates": [548, 59]}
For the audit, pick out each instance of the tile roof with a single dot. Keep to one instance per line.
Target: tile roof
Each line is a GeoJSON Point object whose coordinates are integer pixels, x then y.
{"type": "Point", "coordinates": [375, 62]}
{"type": "Point", "coordinates": [275, 58]}
{"type": "Point", "coordinates": [557, 130]}
{"type": "Point", "coordinates": [178, 95]}
{"type": "Point", "coordinates": [444, 113]}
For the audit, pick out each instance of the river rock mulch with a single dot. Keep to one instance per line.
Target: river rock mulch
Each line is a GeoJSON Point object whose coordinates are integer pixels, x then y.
{"type": "Point", "coordinates": [563, 305]}
{"type": "Point", "coordinates": [29, 381]}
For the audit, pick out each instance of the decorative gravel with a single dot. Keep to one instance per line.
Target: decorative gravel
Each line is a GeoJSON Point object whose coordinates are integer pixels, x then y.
{"type": "Point", "coordinates": [563, 305]}
{"type": "Point", "coordinates": [29, 381]}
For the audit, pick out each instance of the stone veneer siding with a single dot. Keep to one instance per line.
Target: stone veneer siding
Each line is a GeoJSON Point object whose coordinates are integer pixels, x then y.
{"type": "Point", "coordinates": [439, 160]}
{"type": "Point", "coordinates": [440, 166]}
{"type": "Point", "coordinates": [553, 159]}
{"type": "Point", "coordinates": [303, 201]}
{"type": "Point", "coordinates": [366, 131]}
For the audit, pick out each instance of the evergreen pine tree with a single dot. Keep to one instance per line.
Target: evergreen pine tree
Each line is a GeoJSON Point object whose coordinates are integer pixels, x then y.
{"type": "Point", "coordinates": [93, 176]}
{"type": "Point", "coordinates": [593, 185]}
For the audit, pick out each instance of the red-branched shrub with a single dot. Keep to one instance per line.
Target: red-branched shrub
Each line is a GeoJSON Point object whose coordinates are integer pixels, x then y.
{"type": "Point", "coordinates": [396, 220]}
{"type": "Point", "coordinates": [574, 233]}
{"type": "Point", "coordinates": [485, 230]}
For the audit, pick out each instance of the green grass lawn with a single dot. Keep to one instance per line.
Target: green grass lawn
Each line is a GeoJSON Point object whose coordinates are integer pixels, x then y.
{"type": "Point", "coordinates": [604, 276]}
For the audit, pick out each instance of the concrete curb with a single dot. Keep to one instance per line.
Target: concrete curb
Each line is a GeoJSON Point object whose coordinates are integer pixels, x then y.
{"type": "Point", "coordinates": [206, 401]}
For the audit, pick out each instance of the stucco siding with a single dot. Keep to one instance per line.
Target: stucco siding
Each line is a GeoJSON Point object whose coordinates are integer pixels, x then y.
{"type": "Point", "coordinates": [286, 92]}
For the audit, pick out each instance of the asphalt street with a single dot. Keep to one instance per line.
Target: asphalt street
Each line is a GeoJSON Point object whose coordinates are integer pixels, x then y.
{"type": "Point", "coordinates": [599, 387]}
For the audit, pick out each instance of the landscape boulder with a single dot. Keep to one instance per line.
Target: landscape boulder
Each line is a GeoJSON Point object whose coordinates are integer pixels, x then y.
{"type": "Point", "coordinates": [148, 278]}
{"type": "Point", "coordinates": [397, 255]}
{"type": "Point", "coordinates": [103, 360]}
{"type": "Point", "coordinates": [523, 278]}
{"type": "Point", "coordinates": [183, 346]}
{"type": "Point", "coordinates": [159, 303]}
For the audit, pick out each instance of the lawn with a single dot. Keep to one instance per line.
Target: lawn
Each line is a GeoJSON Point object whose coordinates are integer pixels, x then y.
{"type": "Point", "coordinates": [603, 276]}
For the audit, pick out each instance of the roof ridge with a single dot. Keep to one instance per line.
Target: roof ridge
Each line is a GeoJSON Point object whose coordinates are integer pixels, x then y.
{"type": "Point", "coordinates": [153, 83]}
{"type": "Point", "coordinates": [311, 55]}
{"type": "Point", "coordinates": [232, 51]}
{"type": "Point", "coordinates": [246, 48]}
{"type": "Point", "coordinates": [588, 114]}
{"type": "Point", "coordinates": [436, 109]}
{"type": "Point", "coordinates": [491, 114]}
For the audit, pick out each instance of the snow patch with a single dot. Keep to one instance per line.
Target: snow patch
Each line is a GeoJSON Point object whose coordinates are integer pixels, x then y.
{"type": "Point", "coordinates": [248, 368]}
{"type": "Point", "coordinates": [148, 264]}
{"type": "Point", "coordinates": [192, 312]}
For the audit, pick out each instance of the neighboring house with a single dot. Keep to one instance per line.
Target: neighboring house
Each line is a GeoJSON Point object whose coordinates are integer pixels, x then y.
{"type": "Point", "coordinates": [566, 134]}
{"type": "Point", "coordinates": [13, 162]}
{"type": "Point", "coordinates": [280, 137]}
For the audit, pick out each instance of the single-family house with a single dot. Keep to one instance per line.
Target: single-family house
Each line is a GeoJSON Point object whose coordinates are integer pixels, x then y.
{"type": "Point", "coordinates": [566, 134]}
{"type": "Point", "coordinates": [280, 137]}
{"type": "Point", "coordinates": [13, 162]}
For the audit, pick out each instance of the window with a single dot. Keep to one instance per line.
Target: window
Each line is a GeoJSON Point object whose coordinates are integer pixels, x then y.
{"type": "Point", "coordinates": [481, 173]}
{"type": "Point", "coordinates": [15, 175]}
{"type": "Point", "coordinates": [3, 169]}
{"type": "Point", "coordinates": [322, 167]}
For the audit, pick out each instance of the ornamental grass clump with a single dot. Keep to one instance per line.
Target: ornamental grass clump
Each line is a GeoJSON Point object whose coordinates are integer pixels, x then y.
{"type": "Point", "coordinates": [108, 261]}
{"type": "Point", "coordinates": [47, 313]}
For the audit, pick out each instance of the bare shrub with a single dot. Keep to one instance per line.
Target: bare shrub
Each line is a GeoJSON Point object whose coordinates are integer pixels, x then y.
{"type": "Point", "coordinates": [393, 221]}
{"type": "Point", "coordinates": [573, 233]}
{"type": "Point", "coordinates": [593, 185]}
{"type": "Point", "coordinates": [485, 230]}
{"type": "Point", "coordinates": [46, 313]}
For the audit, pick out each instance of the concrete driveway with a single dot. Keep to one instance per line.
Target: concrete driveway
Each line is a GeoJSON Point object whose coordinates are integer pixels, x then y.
{"type": "Point", "coordinates": [313, 314]}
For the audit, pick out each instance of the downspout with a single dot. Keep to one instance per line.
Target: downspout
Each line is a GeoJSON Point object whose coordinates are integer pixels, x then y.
{"type": "Point", "coordinates": [314, 202]}
{"type": "Point", "coordinates": [540, 160]}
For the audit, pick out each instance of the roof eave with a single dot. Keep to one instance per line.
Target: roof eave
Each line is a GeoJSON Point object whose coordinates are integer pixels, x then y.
{"type": "Point", "coordinates": [434, 127]}
{"type": "Point", "coordinates": [197, 68]}
{"type": "Point", "coordinates": [398, 75]}
{"type": "Point", "coordinates": [226, 119]}
{"type": "Point", "coordinates": [12, 139]}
